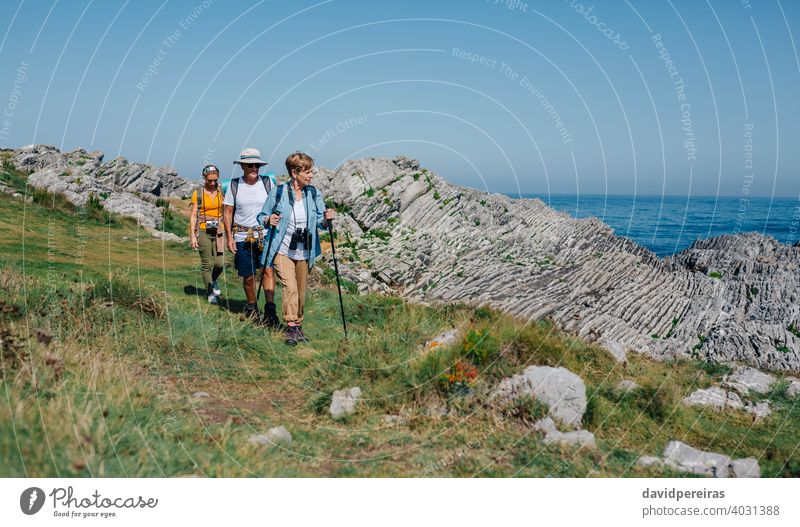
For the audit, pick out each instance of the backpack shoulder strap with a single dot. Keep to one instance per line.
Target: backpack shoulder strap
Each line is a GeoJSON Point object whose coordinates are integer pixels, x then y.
{"type": "Point", "coordinates": [200, 197]}
{"type": "Point", "coordinates": [267, 181]}
{"type": "Point", "coordinates": [234, 184]}
{"type": "Point", "coordinates": [278, 194]}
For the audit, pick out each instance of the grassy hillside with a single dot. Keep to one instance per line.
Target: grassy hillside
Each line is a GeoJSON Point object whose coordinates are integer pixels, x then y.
{"type": "Point", "coordinates": [106, 335]}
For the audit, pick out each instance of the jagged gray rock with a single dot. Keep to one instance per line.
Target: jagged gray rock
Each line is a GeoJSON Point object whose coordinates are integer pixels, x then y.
{"type": "Point", "coordinates": [563, 392]}
{"type": "Point", "coordinates": [745, 379]}
{"type": "Point", "coordinates": [128, 189]}
{"type": "Point", "coordinates": [436, 242]}
{"type": "Point", "coordinates": [793, 389]}
{"type": "Point", "coordinates": [126, 204]}
{"type": "Point", "coordinates": [88, 168]}
{"type": "Point", "coordinates": [717, 398]}
{"type": "Point", "coordinates": [714, 397]}
{"type": "Point", "coordinates": [75, 186]}
{"type": "Point", "coordinates": [760, 409]}
{"type": "Point", "coordinates": [615, 349]}
{"type": "Point", "coordinates": [344, 402]}
{"type": "Point", "coordinates": [5, 189]}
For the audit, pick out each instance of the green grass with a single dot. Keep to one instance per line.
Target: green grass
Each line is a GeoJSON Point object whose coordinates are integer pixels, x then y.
{"type": "Point", "coordinates": [12, 177]}
{"type": "Point", "coordinates": [104, 341]}
{"type": "Point", "coordinates": [379, 233]}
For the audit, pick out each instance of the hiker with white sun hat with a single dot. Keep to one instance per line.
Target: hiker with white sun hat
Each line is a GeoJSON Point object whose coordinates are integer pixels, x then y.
{"type": "Point", "coordinates": [244, 199]}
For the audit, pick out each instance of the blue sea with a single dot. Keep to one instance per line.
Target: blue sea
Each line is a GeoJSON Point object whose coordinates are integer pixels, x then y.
{"type": "Point", "coordinates": [669, 224]}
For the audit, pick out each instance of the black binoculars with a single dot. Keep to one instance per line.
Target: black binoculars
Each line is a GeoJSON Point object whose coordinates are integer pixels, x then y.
{"type": "Point", "coordinates": [300, 236]}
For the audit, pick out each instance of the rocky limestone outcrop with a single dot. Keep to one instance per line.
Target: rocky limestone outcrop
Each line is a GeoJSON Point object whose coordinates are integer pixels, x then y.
{"type": "Point", "coordinates": [86, 172]}
{"type": "Point", "coordinates": [128, 189]}
{"type": "Point", "coordinates": [725, 299]}
{"type": "Point", "coordinates": [403, 229]}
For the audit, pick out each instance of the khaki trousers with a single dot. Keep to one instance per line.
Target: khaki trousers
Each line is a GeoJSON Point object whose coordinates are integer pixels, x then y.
{"type": "Point", "coordinates": [211, 256]}
{"type": "Point", "coordinates": [293, 275]}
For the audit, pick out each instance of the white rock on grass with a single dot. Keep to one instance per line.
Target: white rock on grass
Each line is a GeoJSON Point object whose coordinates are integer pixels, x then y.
{"type": "Point", "coordinates": [443, 339]}
{"type": "Point", "coordinates": [760, 409]}
{"type": "Point", "coordinates": [626, 385]}
{"type": "Point", "coordinates": [344, 402]}
{"type": "Point", "coordinates": [576, 438]}
{"type": "Point", "coordinates": [685, 458]}
{"type": "Point", "coordinates": [200, 395]}
{"type": "Point", "coordinates": [615, 349]}
{"type": "Point", "coordinates": [746, 468]}
{"type": "Point", "coordinates": [167, 236]}
{"type": "Point", "coordinates": [745, 379]}
{"type": "Point", "coordinates": [714, 397]}
{"type": "Point", "coordinates": [278, 435]}
{"type": "Point", "coordinates": [562, 391]}
{"type": "Point", "coordinates": [794, 387]}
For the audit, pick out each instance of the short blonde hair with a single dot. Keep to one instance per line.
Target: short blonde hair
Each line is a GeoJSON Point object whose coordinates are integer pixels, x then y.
{"type": "Point", "coordinates": [298, 161]}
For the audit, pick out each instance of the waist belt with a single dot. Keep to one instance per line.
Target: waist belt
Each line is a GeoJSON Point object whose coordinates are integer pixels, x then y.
{"type": "Point", "coordinates": [254, 234]}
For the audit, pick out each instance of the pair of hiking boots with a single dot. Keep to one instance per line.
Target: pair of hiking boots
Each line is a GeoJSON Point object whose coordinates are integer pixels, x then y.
{"type": "Point", "coordinates": [213, 293]}
{"type": "Point", "coordinates": [269, 319]}
{"type": "Point", "coordinates": [293, 334]}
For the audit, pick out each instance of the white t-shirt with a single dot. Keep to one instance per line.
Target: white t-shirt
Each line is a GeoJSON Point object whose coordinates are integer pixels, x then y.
{"type": "Point", "coordinates": [296, 219]}
{"type": "Point", "coordinates": [250, 200]}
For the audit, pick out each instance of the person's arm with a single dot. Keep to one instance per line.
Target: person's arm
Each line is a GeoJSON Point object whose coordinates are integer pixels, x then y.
{"type": "Point", "coordinates": [266, 210]}
{"type": "Point", "coordinates": [227, 219]}
{"type": "Point", "coordinates": [322, 219]}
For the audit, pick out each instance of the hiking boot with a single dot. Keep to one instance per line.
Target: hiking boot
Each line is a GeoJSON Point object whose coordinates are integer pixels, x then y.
{"type": "Point", "coordinates": [270, 318]}
{"type": "Point", "coordinates": [291, 336]}
{"type": "Point", "coordinates": [301, 337]}
{"type": "Point", "coordinates": [212, 299]}
{"type": "Point", "coordinates": [251, 312]}
{"type": "Point", "coordinates": [215, 288]}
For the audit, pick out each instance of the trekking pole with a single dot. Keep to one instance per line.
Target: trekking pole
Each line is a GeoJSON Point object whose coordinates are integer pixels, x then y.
{"type": "Point", "coordinates": [264, 254]}
{"type": "Point", "coordinates": [338, 284]}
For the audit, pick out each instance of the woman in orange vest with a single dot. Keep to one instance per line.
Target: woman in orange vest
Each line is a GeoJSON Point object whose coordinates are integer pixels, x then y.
{"type": "Point", "coordinates": [206, 231]}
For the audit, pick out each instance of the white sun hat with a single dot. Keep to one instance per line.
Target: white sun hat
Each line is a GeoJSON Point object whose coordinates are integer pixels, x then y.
{"type": "Point", "coordinates": [250, 155]}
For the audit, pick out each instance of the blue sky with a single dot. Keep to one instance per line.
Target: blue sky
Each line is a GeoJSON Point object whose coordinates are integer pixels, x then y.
{"type": "Point", "coordinates": [507, 96]}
